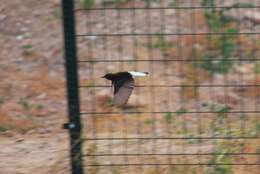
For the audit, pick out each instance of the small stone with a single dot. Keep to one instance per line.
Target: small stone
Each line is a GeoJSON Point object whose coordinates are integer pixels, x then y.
{"type": "Point", "coordinates": [91, 37]}
{"type": "Point", "coordinates": [19, 140]}
{"type": "Point", "coordinates": [2, 17]}
{"type": "Point", "coordinates": [41, 96]}
{"type": "Point", "coordinates": [28, 21]}
{"type": "Point", "coordinates": [169, 12]}
{"type": "Point", "coordinates": [19, 37]}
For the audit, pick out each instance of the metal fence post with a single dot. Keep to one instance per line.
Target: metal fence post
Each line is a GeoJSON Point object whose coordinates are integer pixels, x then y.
{"type": "Point", "coordinates": [74, 124]}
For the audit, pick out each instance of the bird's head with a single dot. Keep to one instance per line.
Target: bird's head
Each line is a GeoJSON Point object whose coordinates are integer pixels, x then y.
{"type": "Point", "coordinates": [108, 76]}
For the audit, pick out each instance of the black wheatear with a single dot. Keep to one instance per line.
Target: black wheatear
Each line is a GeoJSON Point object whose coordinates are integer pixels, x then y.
{"type": "Point", "coordinates": [123, 83]}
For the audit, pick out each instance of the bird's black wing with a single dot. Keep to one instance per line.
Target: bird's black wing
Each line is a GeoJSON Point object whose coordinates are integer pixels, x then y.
{"type": "Point", "coordinates": [122, 90]}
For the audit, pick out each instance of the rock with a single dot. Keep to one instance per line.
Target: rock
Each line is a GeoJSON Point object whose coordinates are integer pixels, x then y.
{"type": "Point", "coordinates": [42, 96]}
{"type": "Point", "coordinates": [19, 37]}
{"type": "Point", "coordinates": [253, 16]}
{"type": "Point", "coordinates": [2, 17]}
{"type": "Point", "coordinates": [19, 140]}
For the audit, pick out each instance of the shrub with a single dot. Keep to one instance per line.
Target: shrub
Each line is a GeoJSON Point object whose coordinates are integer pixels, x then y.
{"type": "Point", "coordinates": [87, 3]}
{"type": "Point", "coordinates": [216, 59]}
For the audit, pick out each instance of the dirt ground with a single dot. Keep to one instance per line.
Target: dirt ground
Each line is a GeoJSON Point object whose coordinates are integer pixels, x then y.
{"type": "Point", "coordinates": [28, 154]}
{"type": "Point", "coordinates": [32, 88]}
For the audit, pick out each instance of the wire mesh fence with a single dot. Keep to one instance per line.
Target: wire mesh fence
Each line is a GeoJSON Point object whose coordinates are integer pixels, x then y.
{"type": "Point", "coordinates": [197, 112]}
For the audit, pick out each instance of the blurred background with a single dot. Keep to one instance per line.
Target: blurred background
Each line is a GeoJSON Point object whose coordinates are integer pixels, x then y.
{"type": "Point", "coordinates": [203, 60]}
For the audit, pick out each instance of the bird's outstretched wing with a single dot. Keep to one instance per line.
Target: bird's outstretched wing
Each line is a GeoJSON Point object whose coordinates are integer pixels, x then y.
{"type": "Point", "coordinates": [122, 91]}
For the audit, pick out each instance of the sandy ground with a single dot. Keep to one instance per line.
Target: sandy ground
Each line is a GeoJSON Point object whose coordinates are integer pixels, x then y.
{"type": "Point", "coordinates": [32, 86]}
{"type": "Point", "coordinates": [24, 155]}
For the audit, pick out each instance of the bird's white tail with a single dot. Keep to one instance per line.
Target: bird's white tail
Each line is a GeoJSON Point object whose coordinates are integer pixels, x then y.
{"type": "Point", "coordinates": [138, 74]}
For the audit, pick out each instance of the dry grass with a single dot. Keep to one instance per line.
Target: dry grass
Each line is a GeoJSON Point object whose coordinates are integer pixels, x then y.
{"type": "Point", "coordinates": [9, 124]}
{"type": "Point", "coordinates": [36, 78]}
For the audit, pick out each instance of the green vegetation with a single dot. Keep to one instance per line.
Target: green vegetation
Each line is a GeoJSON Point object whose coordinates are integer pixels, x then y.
{"type": "Point", "coordinates": [116, 170]}
{"type": "Point", "coordinates": [91, 3]}
{"type": "Point", "coordinates": [181, 111]}
{"type": "Point", "coordinates": [107, 2]}
{"type": "Point", "coordinates": [27, 46]}
{"type": "Point", "coordinates": [209, 3]}
{"type": "Point", "coordinates": [149, 121]}
{"type": "Point", "coordinates": [57, 13]}
{"type": "Point", "coordinates": [26, 120]}
{"type": "Point", "coordinates": [87, 3]}
{"type": "Point", "coordinates": [243, 5]}
{"type": "Point", "coordinates": [222, 114]}
{"type": "Point", "coordinates": [222, 46]}
{"type": "Point", "coordinates": [161, 43]}
{"type": "Point", "coordinates": [29, 107]}
{"type": "Point", "coordinates": [175, 169]}
{"type": "Point", "coordinates": [257, 68]}
{"type": "Point", "coordinates": [2, 101]}
{"type": "Point", "coordinates": [92, 149]}
{"type": "Point", "coordinates": [221, 110]}
{"type": "Point", "coordinates": [221, 148]}
{"type": "Point", "coordinates": [215, 61]}
{"type": "Point", "coordinates": [192, 140]}
{"type": "Point", "coordinates": [92, 62]}
{"type": "Point", "coordinates": [39, 107]}
{"type": "Point", "coordinates": [257, 128]}
{"type": "Point", "coordinates": [109, 102]}
{"type": "Point", "coordinates": [5, 127]}
{"type": "Point", "coordinates": [168, 117]}
{"type": "Point", "coordinates": [25, 104]}
{"type": "Point", "coordinates": [27, 49]}
{"type": "Point", "coordinates": [174, 3]}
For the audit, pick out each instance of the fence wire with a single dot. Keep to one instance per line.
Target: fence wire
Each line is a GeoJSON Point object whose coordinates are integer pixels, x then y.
{"type": "Point", "coordinates": [197, 112]}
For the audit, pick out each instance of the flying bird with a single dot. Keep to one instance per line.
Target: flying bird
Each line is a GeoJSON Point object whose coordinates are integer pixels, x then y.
{"type": "Point", "coordinates": [123, 83]}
